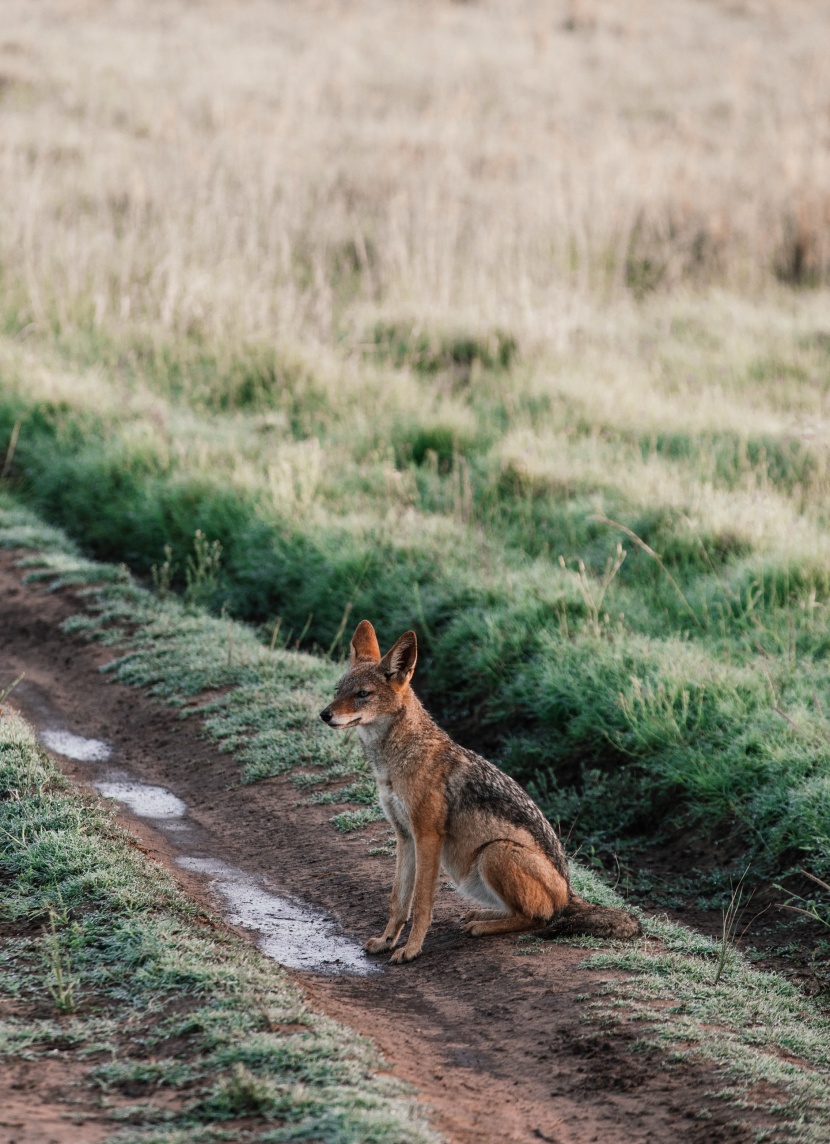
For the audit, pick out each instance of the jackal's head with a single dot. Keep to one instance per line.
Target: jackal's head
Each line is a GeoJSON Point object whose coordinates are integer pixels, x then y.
{"type": "Point", "coordinates": [375, 686]}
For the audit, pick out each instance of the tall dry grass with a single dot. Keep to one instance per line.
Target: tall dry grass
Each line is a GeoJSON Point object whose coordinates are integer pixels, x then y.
{"type": "Point", "coordinates": [281, 170]}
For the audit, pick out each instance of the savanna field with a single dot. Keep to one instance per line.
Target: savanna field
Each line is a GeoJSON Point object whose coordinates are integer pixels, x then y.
{"type": "Point", "coordinates": [506, 322]}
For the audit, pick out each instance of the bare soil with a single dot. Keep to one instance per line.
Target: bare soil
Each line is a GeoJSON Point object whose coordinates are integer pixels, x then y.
{"type": "Point", "coordinates": [497, 1041]}
{"type": "Point", "coordinates": [37, 1106]}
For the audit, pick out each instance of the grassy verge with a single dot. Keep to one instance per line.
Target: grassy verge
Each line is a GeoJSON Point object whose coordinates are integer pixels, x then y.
{"type": "Point", "coordinates": [182, 1032]}
{"type": "Point", "coordinates": [268, 714]}
{"type": "Point", "coordinates": [688, 683]}
{"type": "Point", "coordinates": [695, 998]}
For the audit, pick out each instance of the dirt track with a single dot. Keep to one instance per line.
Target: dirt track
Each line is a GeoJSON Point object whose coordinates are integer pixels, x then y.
{"type": "Point", "coordinates": [497, 1041]}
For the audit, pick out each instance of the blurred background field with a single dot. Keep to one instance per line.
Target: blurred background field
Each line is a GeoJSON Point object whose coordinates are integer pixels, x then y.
{"type": "Point", "coordinates": [504, 321]}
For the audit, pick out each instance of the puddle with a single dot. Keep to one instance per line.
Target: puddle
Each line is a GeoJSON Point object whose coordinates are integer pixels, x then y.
{"type": "Point", "coordinates": [75, 746]}
{"type": "Point", "coordinates": [144, 800]}
{"type": "Point", "coordinates": [293, 934]}
{"type": "Point", "coordinates": [290, 932]}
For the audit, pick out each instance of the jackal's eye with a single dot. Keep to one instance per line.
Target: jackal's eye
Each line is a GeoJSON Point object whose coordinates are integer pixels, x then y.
{"type": "Point", "coordinates": [362, 694]}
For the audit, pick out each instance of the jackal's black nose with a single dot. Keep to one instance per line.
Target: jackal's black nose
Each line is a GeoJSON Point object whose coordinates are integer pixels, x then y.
{"type": "Point", "coordinates": [326, 715]}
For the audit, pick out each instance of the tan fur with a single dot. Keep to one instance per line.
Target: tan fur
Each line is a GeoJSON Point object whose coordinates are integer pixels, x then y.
{"type": "Point", "coordinates": [449, 808]}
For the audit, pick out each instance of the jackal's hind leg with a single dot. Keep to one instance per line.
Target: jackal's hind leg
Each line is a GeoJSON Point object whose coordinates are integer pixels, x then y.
{"type": "Point", "coordinates": [526, 880]}
{"type": "Point", "coordinates": [479, 915]}
{"type": "Point", "coordinates": [517, 923]}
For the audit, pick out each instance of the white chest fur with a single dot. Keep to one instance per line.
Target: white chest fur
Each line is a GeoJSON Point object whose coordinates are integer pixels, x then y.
{"type": "Point", "coordinates": [393, 805]}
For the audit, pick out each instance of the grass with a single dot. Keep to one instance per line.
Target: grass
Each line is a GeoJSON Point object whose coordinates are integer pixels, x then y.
{"type": "Point", "coordinates": [691, 996]}
{"type": "Point", "coordinates": [513, 164]}
{"type": "Point", "coordinates": [518, 338]}
{"type": "Point", "coordinates": [816, 907]}
{"type": "Point", "coordinates": [179, 1028]}
{"type": "Point", "coordinates": [631, 621]}
{"type": "Point", "coordinates": [731, 921]}
{"type": "Point", "coordinates": [750, 1024]}
{"type": "Point", "coordinates": [520, 341]}
{"type": "Point", "coordinates": [476, 321]}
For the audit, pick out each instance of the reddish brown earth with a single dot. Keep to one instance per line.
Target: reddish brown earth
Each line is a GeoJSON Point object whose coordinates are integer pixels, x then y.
{"type": "Point", "coordinates": [36, 1109]}
{"type": "Point", "coordinates": [39, 1106]}
{"type": "Point", "coordinates": [498, 1042]}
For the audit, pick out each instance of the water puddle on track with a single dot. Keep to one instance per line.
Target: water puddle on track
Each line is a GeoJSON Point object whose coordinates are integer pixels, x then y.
{"type": "Point", "coordinates": [289, 931]}
{"type": "Point", "coordinates": [76, 747]}
{"type": "Point", "coordinates": [294, 935]}
{"type": "Point", "coordinates": [144, 800]}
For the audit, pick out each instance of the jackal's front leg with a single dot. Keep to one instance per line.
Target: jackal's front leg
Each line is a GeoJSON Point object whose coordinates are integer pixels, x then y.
{"type": "Point", "coordinates": [401, 898]}
{"type": "Point", "coordinates": [427, 864]}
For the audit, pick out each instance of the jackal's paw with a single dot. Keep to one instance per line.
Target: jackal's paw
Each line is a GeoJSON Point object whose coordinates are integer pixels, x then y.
{"type": "Point", "coordinates": [405, 953]}
{"type": "Point", "coordinates": [378, 945]}
{"type": "Point", "coordinates": [476, 928]}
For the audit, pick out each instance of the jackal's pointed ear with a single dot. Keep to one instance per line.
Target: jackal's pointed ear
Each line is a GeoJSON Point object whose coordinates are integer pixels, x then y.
{"type": "Point", "coordinates": [364, 647]}
{"type": "Point", "coordinates": [399, 661]}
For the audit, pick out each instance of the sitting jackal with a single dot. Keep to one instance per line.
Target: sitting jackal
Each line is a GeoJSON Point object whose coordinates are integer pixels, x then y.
{"type": "Point", "coordinates": [450, 808]}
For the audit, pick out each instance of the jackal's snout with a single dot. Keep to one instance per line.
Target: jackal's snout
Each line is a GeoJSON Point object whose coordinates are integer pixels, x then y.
{"type": "Point", "coordinates": [326, 715]}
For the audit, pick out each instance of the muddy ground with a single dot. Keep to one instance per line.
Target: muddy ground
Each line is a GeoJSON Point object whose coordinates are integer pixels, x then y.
{"type": "Point", "coordinates": [497, 1040]}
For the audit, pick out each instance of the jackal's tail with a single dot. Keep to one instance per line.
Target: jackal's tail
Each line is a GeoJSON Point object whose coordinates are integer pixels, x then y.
{"type": "Point", "coordinates": [583, 919]}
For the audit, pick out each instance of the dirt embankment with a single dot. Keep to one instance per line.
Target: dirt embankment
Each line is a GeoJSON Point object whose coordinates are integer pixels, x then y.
{"type": "Point", "coordinates": [497, 1039]}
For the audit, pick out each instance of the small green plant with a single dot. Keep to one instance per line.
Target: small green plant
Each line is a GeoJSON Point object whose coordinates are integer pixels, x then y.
{"type": "Point", "coordinates": [163, 574]}
{"type": "Point", "coordinates": [382, 846]}
{"type": "Point", "coordinates": [731, 918]}
{"type": "Point", "coordinates": [649, 551]}
{"type": "Point", "coordinates": [817, 911]}
{"type": "Point", "coordinates": [242, 1094]}
{"type": "Point", "coordinates": [593, 590]}
{"type": "Point", "coordinates": [662, 713]}
{"type": "Point", "coordinates": [431, 351]}
{"type": "Point", "coordinates": [202, 570]}
{"type": "Point", "coordinates": [338, 635]}
{"type": "Point", "coordinates": [60, 982]}
{"type": "Point", "coordinates": [7, 463]}
{"type": "Point", "coordinates": [6, 691]}
{"type": "Point", "coordinates": [304, 632]}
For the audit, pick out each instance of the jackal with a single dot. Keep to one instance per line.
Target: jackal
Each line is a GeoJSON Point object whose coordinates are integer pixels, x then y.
{"type": "Point", "coordinates": [449, 807]}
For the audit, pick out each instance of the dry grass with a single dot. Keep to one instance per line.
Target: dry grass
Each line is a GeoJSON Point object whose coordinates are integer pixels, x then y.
{"type": "Point", "coordinates": [262, 269]}
{"type": "Point", "coordinates": [261, 170]}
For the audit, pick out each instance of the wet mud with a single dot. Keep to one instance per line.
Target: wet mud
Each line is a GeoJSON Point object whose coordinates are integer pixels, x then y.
{"type": "Point", "coordinates": [496, 1034]}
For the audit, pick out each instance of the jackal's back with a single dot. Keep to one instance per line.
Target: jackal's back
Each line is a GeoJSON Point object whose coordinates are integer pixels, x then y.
{"type": "Point", "coordinates": [476, 786]}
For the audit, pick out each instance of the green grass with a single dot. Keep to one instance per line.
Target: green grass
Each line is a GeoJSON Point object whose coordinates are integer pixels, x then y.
{"type": "Point", "coordinates": [483, 510]}
{"type": "Point", "coordinates": [757, 1027]}
{"type": "Point", "coordinates": [150, 999]}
